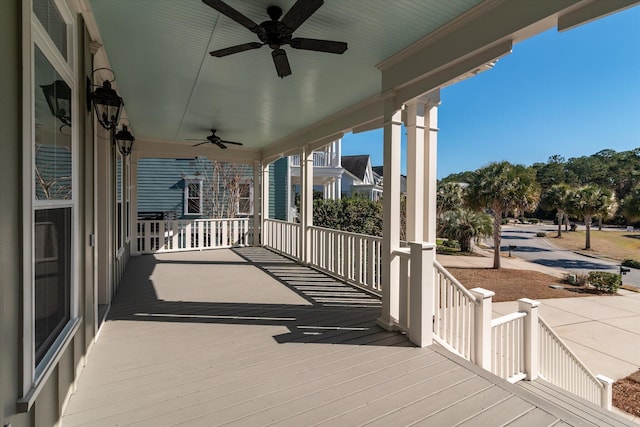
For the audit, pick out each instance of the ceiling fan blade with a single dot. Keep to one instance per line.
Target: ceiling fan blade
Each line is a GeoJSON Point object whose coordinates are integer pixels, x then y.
{"type": "Point", "coordinates": [318, 45]}
{"type": "Point", "coordinates": [221, 145]}
{"type": "Point", "coordinates": [300, 12]}
{"type": "Point", "coordinates": [231, 142]}
{"type": "Point", "coordinates": [230, 12]}
{"type": "Point", "coordinates": [203, 142]}
{"type": "Point", "coordinates": [281, 62]}
{"type": "Point", "coordinates": [235, 49]}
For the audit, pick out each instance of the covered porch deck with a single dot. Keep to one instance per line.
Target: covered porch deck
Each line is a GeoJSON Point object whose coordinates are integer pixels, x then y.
{"type": "Point", "coordinates": [247, 337]}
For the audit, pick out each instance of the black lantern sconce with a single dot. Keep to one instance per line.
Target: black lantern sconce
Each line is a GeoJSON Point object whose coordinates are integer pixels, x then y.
{"type": "Point", "coordinates": [58, 96]}
{"type": "Point", "coordinates": [108, 107]}
{"type": "Point", "coordinates": [124, 141]}
{"type": "Point", "coordinates": [106, 102]}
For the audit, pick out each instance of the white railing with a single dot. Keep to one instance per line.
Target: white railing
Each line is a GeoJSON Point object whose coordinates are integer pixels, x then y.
{"type": "Point", "coordinates": [562, 368]}
{"type": "Point", "coordinates": [282, 236]}
{"type": "Point", "coordinates": [507, 347]}
{"type": "Point", "coordinates": [321, 159]}
{"type": "Point", "coordinates": [513, 346]}
{"type": "Point", "coordinates": [355, 258]}
{"type": "Point", "coordinates": [455, 311]}
{"type": "Point", "coordinates": [155, 236]}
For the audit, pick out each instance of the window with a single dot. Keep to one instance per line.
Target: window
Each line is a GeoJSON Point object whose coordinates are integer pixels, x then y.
{"type": "Point", "coordinates": [192, 196]}
{"type": "Point", "coordinates": [245, 199]}
{"type": "Point", "coordinates": [49, 305]}
{"type": "Point", "coordinates": [52, 276]}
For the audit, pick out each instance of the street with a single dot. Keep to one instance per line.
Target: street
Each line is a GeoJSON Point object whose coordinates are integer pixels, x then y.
{"type": "Point", "coordinates": [525, 245]}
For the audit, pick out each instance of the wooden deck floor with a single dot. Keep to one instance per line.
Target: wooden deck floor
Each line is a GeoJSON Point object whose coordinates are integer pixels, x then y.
{"type": "Point", "coordinates": [249, 338]}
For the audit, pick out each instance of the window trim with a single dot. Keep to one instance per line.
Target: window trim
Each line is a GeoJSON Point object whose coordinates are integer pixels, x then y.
{"type": "Point", "coordinates": [249, 197]}
{"type": "Point", "coordinates": [187, 182]}
{"type": "Point", "coordinates": [34, 34]}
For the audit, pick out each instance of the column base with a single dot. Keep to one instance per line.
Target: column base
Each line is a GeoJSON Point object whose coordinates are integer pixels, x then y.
{"type": "Point", "coordinates": [387, 324]}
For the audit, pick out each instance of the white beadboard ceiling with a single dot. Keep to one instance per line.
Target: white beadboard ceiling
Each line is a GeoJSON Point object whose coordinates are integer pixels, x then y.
{"type": "Point", "coordinates": [174, 90]}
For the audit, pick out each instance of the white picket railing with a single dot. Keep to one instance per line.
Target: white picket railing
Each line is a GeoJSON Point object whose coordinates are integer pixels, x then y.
{"type": "Point", "coordinates": [455, 311]}
{"type": "Point", "coordinates": [321, 159]}
{"type": "Point", "coordinates": [355, 258]}
{"type": "Point", "coordinates": [561, 367]}
{"type": "Point", "coordinates": [154, 236]}
{"type": "Point", "coordinates": [282, 237]}
{"type": "Point", "coordinates": [507, 347]}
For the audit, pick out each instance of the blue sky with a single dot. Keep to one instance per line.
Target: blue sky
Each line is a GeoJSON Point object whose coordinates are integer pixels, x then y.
{"type": "Point", "coordinates": [573, 94]}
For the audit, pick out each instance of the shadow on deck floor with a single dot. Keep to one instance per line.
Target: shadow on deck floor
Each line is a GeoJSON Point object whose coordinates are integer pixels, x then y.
{"type": "Point", "coordinates": [247, 337]}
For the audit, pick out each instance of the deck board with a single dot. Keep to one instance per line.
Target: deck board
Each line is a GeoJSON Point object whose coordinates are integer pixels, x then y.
{"type": "Point", "coordinates": [247, 337]}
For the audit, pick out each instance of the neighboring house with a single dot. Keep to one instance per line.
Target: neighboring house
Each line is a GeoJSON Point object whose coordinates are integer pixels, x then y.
{"type": "Point", "coordinates": [199, 188]}
{"type": "Point", "coordinates": [378, 172]}
{"type": "Point", "coordinates": [359, 177]}
{"type": "Point", "coordinates": [193, 188]}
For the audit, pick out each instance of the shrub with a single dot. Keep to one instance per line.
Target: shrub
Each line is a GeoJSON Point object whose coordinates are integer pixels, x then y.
{"type": "Point", "coordinates": [541, 234]}
{"type": "Point", "coordinates": [605, 281]}
{"type": "Point", "coordinates": [533, 220]}
{"type": "Point", "coordinates": [631, 263]}
{"type": "Point", "coordinates": [505, 221]}
{"type": "Point", "coordinates": [450, 243]}
{"type": "Point", "coordinates": [577, 279]}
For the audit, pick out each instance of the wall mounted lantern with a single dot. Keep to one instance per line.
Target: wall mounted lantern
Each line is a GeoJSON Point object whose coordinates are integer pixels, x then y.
{"type": "Point", "coordinates": [58, 96]}
{"type": "Point", "coordinates": [106, 103]}
{"type": "Point", "coordinates": [124, 141]}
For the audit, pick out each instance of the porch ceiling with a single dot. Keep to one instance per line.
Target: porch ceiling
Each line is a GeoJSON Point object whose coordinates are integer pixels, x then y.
{"type": "Point", "coordinates": [174, 90]}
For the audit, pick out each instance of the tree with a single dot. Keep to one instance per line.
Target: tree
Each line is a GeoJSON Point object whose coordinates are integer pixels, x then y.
{"type": "Point", "coordinates": [450, 196]}
{"type": "Point", "coordinates": [631, 205]}
{"type": "Point", "coordinates": [465, 226]}
{"type": "Point", "coordinates": [503, 187]}
{"type": "Point", "coordinates": [557, 197]}
{"type": "Point", "coordinates": [550, 173]}
{"type": "Point", "coordinates": [589, 201]}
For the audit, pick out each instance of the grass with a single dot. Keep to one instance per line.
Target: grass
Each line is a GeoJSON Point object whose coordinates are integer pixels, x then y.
{"type": "Point", "coordinates": [617, 245]}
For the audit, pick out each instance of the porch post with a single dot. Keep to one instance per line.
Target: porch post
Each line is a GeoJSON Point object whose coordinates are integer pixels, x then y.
{"type": "Point", "coordinates": [482, 328]}
{"type": "Point", "coordinates": [391, 214]}
{"type": "Point", "coordinates": [257, 192]}
{"type": "Point", "coordinates": [531, 337]}
{"type": "Point", "coordinates": [306, 202]}
{"type": "Point", "coordinates": [430, 162]}
{"type": "Point", "coordinates": [133, 207]}
{"type": "Point", "coordinates": [415, 170]}
{"type": "Point", "coordinates": [421, 296]}
{"type": "Point", "coordinates": [264, 204]}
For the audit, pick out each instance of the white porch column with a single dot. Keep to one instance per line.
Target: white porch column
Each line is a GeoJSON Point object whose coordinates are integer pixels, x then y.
{"type": "Point", "coordinates": [133, 206]}
{"type": "Point", "coordinates": [264, 204]}
{"type": "Point", "coordinates": [430, 162]}
{"type": "Point", "coordinates": [415, 169]}
{"type": "Point", "coordinates": [306, 202]}
{"type": "Point", "coordinates": [257, 206]}
{"type": "Point", "coordinates": [531, 337]}
{"type": "Point", "coordinates": [391, 215]}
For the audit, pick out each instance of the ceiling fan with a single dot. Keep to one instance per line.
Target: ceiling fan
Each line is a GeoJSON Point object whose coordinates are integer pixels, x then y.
{"type": "Point", "coordinates": [276, 33]}
{"type": "Point", "coordinates": [215, 139]}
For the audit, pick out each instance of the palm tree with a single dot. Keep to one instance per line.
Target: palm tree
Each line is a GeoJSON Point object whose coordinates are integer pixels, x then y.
{"type": "Point", "coordinates": [589, 201]}
{"type": "Point", "coordinates": [557, 197]}
{"type": "Point", "coordinates": [465, 226]}
{"type": "Point", "coordinates": [503, 187]}
{"type": "Point", "coordinates": [450, 196]}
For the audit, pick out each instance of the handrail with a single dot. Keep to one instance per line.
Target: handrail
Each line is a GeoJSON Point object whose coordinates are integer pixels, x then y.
{"type": "Point", "coordinates": [440, 268]}
{"type": "Point", "coordinates": [569, 373]}
{"type": "Point", "coordinates": [507, 318]}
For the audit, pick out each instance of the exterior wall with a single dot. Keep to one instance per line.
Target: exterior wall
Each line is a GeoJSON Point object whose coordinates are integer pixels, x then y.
{"type": "Point", "coordinates": [10, 210]}
{"type": "Point", "coordinates": [46, 405]}
{"type": "Point", "coordinates": [161, 184]}
{"type": "Point", "coordinates": [281, 188]}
